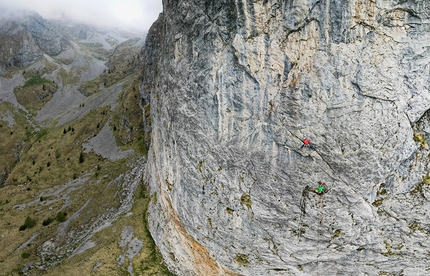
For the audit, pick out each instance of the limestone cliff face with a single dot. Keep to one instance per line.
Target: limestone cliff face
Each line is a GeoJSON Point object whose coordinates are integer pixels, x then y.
{"type": "Point", "coordinates": [236, 85]}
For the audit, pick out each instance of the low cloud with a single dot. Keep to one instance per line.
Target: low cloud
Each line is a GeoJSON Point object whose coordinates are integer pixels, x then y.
{"type": "Point", "coordinates": [131, 14]}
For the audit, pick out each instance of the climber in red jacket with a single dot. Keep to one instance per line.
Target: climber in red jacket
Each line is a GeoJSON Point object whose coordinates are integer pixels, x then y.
{"type": "Point", "coordinates": [307, 143]}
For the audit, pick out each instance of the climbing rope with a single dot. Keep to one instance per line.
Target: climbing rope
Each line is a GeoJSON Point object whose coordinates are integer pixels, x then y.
{"type": "Point", "coordinates": [320, 191]}
{"type": "Point", "coordinates": [303, 209]}
{"type": "Point", "coordinates": [321, 213]}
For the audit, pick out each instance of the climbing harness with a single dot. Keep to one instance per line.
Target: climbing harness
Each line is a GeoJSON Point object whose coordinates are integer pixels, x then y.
{"type": "Point", "coordinates": [307, 143]}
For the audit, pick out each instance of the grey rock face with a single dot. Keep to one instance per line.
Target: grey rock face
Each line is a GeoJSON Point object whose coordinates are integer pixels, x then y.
{"type": "Point", "coordinates": [134, 247]}
{"type": "Point", "coordinates": [236, 85]}
{"type": "Point", "coordinates": [18, 46]}
{"type": "Point", "coordinates": [49, 37]}
{"type": "Point", "coordinates": [27, 38]}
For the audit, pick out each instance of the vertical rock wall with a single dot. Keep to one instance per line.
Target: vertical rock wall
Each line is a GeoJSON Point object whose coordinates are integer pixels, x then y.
{"type": "Point", "coordinates": [236, 85]}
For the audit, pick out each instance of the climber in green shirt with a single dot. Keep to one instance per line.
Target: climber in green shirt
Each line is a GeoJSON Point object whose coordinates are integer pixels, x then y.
{"type": "Point", "coordinates": [320, 189]}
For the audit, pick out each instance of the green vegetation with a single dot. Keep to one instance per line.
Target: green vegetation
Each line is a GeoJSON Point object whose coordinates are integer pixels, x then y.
{"type": "Point", "coordinates": [39, 160]}
{"type": "Point", "coordinates": [419, 188]}
{"type": "Point", "coordinates": [200, 165]}
{"type": "Point", "coordinates": [12, 139]}
{"type": "Point", "coordinates": [246, 200]}
{"type": "Point", "coordinates": [61, 216]}
{"type": "Point", "coordinates": [35, 80]}
{"type": "Point", "coordinates": [414, 226]}
{"type": "Point", "coordinates": [123, 62]}
{"type": "Point", "coordinates": [152, 262]}
{"type": "Point", "coordinates": [81, 158]}
{"type": "Point", "coordinates": [377, 202]}
{"type": "Point", "coordinates": [69, 77]}
{"type": "Point", "coordinates": [40, 134]}
{"type": "Point", "coordinates": [242, 259]}
{"type": "Point", "coordinates": [47, 221]}
{"type": "Point", "coordinates": [336, 234]}
{"type": "Point", "coordinates": [35, 93]}
{"type": "Point", "coordinates": [4, 203]}
{"type": "Point", "coordinates": [28, 223]}
{"type": "Point", "coordinates": [426, 179]}
{"type": "Point", "coordinates": [418, 137]}
{"type": "Point", "coordinates": [48, 68]}
{"type": "Point", "coordinates": [59, 150]}
{"type": "Point", "coordinates": [129, 111]}
{"type": "Point", "coordinates": [389, 248]}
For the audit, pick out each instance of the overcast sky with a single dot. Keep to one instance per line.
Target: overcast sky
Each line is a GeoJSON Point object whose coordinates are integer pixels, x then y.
{"type": "Point", "coordinates": [137, 14]}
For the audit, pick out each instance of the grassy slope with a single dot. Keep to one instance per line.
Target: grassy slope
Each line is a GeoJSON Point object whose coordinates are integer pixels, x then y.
{"type": "Point", "coordinates": [107, 249]}
{"type": "Point", "coordinates": [12, 138]}
{"type": "Point", "coordinates": [123, 62]}
{"type": "Point", "coordinates": [36, 91]}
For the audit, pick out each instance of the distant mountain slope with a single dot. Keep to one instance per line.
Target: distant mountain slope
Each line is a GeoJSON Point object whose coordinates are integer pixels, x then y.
{"type": "Point", "coordinates": [72, 151]}
{"type": "Point", "coordinates": [27, 38]}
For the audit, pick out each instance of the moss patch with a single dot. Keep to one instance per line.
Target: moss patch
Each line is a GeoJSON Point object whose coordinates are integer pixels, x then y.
{"type": "Point", "coordinates": [377, 202]}
{"type": "Point", "coordinates": [242, 259]}
{"type": "Point", "coordinates": [418, 137]}
{"type": "Point", "coordinates": [246, 200]}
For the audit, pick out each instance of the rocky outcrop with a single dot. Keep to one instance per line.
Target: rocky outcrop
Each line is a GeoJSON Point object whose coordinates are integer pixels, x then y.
{"type": "Point", "coordinates": [236, 85]}
{"type": "Point", "coordinates": [27, 38]}
{"type": "Point", "coordinates": [18, 46]}
{"type": "Point", "coordinates": [48, 36]}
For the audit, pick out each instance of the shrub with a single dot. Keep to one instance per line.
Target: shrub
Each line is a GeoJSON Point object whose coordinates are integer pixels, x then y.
{"type": "Point", "coordinates": [25, 255]}
{"type": "Point", "coordinates": [61, 216]}
{"type": "Point", "coordinates": [47, 221]}
{"type": "Point", "coordinates": [22, 227]}
{"type": "Point", "coordinates": [29, 222]}
{"type": "Point", "coordinates": [81, 158]}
